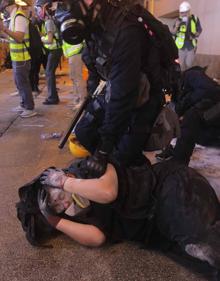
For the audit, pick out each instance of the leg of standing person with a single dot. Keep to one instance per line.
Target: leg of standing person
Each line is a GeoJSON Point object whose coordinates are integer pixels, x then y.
{"type": "Point", "coordinates": [79, 85]}
{"type": "Point", "coordinates": [21, 72]}
{"type": "Point", "coordinates": [34, 75]}
{"type": "Point", "coordinates": [182, 58]}
{"type": "Point", "coordinates": [52, 64]}
{"type": "Point", "coordinates": [189, 59]}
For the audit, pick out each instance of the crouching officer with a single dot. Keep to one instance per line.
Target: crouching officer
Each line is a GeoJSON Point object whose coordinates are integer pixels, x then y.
{"type": "Point", "coordinates": [121, 53]}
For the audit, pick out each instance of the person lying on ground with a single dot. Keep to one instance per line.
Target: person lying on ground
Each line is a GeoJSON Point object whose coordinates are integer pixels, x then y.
{"type": "Point", "coordinates": [168, 198]}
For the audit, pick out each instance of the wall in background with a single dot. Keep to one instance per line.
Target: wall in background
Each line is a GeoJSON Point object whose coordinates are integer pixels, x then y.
{"type": "Point", "coordinates": [208, 52]}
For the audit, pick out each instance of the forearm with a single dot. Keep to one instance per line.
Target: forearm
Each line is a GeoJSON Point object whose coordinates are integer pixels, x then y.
{"type": "Point", "coordinates": [17, 36]}
{"type": "Point", "coordinates": [49, 40]}
{"type": "Point", "coordinates": [87, 235]}
{"type": "Point", "coordinates": [102, 190]}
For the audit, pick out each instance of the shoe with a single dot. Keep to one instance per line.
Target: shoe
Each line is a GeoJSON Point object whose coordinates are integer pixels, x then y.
{"type": "Point", "coordinates": [14, 94]}
{"type": "Point", "coordinates": [48, 102]}
{"type": "Point", "coordinates": [18, 108]}
{"type": "Point", "coordinates": [28, 113]}
{"type": "Point", "coordinates": [166, 153]}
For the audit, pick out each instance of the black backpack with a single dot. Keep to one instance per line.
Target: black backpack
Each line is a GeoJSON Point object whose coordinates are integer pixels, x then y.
{"type": "Point", "coordinates": [34, 224]}
{"type": "Point", "coordinates": [159, 34]}
{"type": "Point", "coordinates": [36, 46]}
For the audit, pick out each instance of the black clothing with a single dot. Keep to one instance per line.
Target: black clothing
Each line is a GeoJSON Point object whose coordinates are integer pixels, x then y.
{"type": "Point", "coordinates": [200, 93]}
{"type": "Point", "coordinates": [126, 217]}
{"type": "Point", "coordinates": [128, 150]}
{"type": "Point", "coordinates": [194, 130]}
{"type": "Point", "coordinates": [185, 205]}
{"type": "Point", "coordinates": [120, 52]}
{"type": "Point", "coordinates": [196, 87]}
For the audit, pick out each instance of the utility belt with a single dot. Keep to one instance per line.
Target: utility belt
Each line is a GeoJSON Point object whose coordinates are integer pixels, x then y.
{"type": "Point", "coordinates": [95, 110]}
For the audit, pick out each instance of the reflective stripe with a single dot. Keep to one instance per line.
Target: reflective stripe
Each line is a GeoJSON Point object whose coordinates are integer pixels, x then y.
{"type": "Point", "coordinates": [71, 50]}
{"type": "Point", "coordinates": [18, 51]}
{"type": "Point", "coordinates": [13, 41]}
{"type": "Point", "coordinates": [180, 38]}
{"type": "Point", "coordinates": [55, 44]}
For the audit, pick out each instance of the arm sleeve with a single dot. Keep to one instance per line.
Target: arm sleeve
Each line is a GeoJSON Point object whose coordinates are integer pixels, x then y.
{"type": "Point", "coordinates": [50, 26]}
{"type": "Point", "coordinates": [93, 77]}
{"type": "Point", "coordinates": [21, 24]}
{"type": "Point", "coordinates": [198, 26]}
{"type": "Point", "coordinates": [124, 82]}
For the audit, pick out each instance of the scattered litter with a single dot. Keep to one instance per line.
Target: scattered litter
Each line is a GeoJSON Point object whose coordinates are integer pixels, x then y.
{"type": "Point", "coordinates": [48, 136]}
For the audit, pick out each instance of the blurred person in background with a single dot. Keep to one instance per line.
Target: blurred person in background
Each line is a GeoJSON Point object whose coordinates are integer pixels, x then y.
{"type": "Point", "coordinates": [18, 33]}
{"type": "Point", "coordinates": [186, 30]}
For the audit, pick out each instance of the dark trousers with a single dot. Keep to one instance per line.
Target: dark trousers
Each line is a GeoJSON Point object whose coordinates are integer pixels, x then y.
{"type": "Point", "coordinates": [34, 73]}
{"type": "Point", "coordinates": [52, 64]}
{"type": "Point", "coordinates": [129, 148]}
{"type": "Point", "coordinates": [194, 130]}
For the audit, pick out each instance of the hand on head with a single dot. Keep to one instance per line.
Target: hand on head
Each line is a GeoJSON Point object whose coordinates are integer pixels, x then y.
{"type": "Point", "coordinates": [53, 177]}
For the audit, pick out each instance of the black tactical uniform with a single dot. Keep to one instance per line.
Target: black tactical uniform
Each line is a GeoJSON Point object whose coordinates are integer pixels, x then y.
{"type": "Point", "coordinates": [200, 95]}
{"type": "Point", "coordinates": [121, 53]}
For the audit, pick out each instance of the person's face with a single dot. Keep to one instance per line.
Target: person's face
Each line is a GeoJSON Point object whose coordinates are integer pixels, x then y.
{"type": "Point", "coordinates": [59, 200]}
{"type": "Point", "coordinates": [185, 14]}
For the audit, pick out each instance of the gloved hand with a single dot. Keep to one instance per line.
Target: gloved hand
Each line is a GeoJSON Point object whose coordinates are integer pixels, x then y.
{"type": "Point", "coordinates": [54, 177]}
{"type": "Point", "coordinates": [42, 203]}
{"type": "Point", "coordinates": [97, 163]}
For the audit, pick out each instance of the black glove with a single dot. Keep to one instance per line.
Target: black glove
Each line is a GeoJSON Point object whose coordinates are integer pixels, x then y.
{"type": "Point", "coordinates": [97, 164]}
{"type": "Point", "coordinates": [42, 203]}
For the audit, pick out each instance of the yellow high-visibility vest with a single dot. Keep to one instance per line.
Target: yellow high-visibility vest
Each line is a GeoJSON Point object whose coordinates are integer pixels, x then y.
{"type": "Point", "coordinates": [71, 50]}
{"type": "Point", "coordinates": [19, 51]}
{"type": "Point", "coordinates": [55, 43]}
{"type": "Point", "coordinates": [181, 34]}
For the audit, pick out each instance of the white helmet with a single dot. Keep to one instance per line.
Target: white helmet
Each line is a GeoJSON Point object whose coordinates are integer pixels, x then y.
{"type": "Point", "coordinates": [184, 7]}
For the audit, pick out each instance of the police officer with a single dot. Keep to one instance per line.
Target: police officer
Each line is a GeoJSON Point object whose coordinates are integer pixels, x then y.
{"type": "Point", "coordinates": [199, 108]}
{"type": "Point", "coordinates": [186, 30]}
{"type": "Point", "coordinates": [52, 43]}
{"type": "Point", "coordinates": [121, 53]}
{"type": "Point", "coordinates": [18, 33]}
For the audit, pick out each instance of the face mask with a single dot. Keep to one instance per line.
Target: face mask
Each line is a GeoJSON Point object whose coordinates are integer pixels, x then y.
{"type": "Point", "coordinates": [184, 19]}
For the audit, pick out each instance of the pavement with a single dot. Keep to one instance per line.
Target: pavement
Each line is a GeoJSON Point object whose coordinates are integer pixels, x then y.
{"type": "Point", "coordinates": [23, 156]}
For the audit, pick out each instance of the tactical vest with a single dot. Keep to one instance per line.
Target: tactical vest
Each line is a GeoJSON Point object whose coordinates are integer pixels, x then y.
{"type": "Point", "coordinates": [102, 41]}
{"type": "Point", "coordinates": [71, 50]}
{"type": "Point", "coordinates": [181, 34]}
{"type": "Point", "coordinates": [19, 51]}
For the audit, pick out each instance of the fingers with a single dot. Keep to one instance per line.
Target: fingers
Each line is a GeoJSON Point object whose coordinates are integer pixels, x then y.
{"type": "Point", "coordinates": [46, 175]}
